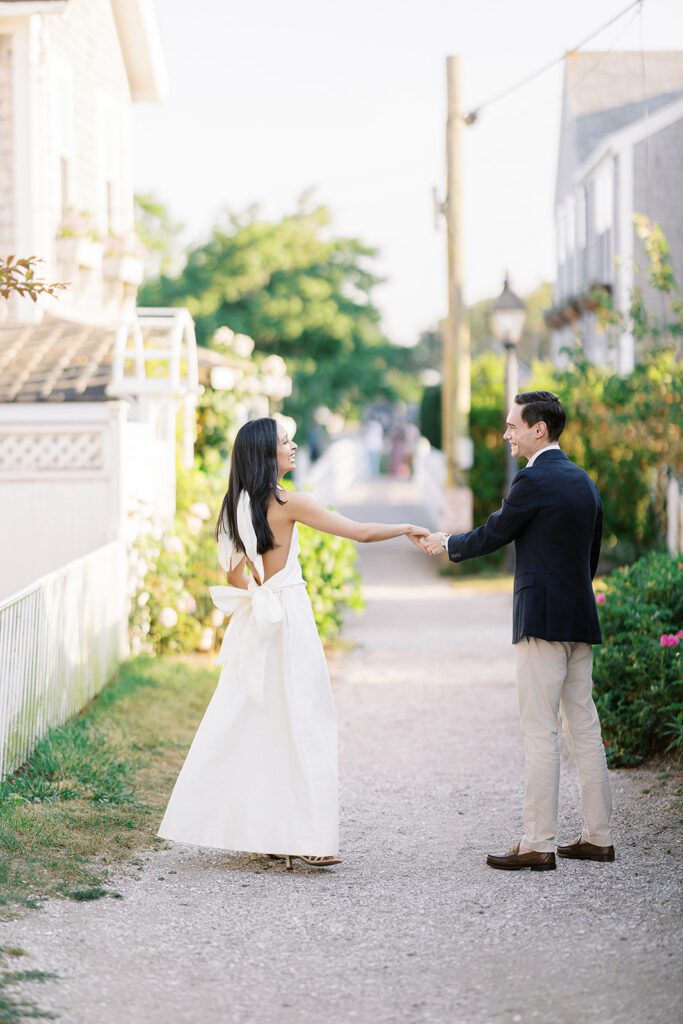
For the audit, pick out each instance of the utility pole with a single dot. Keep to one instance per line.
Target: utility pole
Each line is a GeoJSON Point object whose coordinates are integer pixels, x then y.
{"type": "Point", "coordinates": [456, 387]}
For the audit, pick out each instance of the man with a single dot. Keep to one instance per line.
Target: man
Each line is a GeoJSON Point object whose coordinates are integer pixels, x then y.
{"type": "Point", "coordinates": [553, 515]}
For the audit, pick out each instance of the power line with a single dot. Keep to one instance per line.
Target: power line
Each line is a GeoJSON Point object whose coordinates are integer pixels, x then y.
{"type": "Point", "coordinates": [580, 78]}
{"type": "Point", "coordinates": [471, 118]}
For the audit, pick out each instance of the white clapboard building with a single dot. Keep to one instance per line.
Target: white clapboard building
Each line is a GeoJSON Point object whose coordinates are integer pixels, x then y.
{"type": "Point", "coordinates": [93, 391]}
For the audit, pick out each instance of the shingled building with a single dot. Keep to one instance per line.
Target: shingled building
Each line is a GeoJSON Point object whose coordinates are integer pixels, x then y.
{"type": "Point", "coordinates": [620, 154]}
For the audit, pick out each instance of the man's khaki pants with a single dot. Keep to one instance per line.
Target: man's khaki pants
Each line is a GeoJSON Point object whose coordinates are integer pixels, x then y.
{"type": "Point", "coordinates": [556, 677]}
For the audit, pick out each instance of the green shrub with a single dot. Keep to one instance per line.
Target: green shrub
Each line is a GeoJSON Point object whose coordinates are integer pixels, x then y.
{"type": "Point", "coordinates": [430, 415]}
{"type": "Point", "coordinates": [171, 607]}
{"type": "Point", "coordinates": [638, 669]}
{"type": "Point", "coordinates": [487, 426]}
{"type": "Point", "coordinates": [627, 433]}
{"type": "Point", "coordinates": [329, 567]}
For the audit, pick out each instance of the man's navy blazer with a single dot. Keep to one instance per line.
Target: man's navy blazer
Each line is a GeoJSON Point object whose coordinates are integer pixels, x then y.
{"type": "Point", "coordinates": [554, 516]}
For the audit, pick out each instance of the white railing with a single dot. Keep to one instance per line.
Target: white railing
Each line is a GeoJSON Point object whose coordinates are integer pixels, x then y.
{"type": "Point", "coordinates": [429, 469]}
{"type": "Point", "coordinates": [61, 640]}
{"type": "Point", "coordinates": [331, 476]}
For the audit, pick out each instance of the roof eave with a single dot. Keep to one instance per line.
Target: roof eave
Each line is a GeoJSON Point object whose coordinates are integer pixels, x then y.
{"type": "Point", "coordinates": [143, 54]}
{"type": "Point", "coordinates": [22, 8]}
{"type": "Point", "coordinates": [629, 136]}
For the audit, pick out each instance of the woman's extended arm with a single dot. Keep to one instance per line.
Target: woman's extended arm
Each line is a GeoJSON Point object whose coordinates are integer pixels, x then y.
{"type": "Point", "coordinates": [304, 509]}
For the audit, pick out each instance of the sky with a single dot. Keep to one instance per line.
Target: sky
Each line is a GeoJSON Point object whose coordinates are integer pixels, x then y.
{"type": "Point", "coordinates": [269, 100]}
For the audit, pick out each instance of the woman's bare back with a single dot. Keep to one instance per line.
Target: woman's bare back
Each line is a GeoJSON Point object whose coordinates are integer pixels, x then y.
{"type": "Point", "coordinates": [282, 525]}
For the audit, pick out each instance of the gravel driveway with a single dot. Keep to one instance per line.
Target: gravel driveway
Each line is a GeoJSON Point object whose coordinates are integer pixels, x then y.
{"type": "Point", "coordinates": [413, 927]}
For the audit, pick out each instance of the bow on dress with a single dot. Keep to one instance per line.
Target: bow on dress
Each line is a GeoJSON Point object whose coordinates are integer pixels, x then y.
{"type": "Point", "coordinates": [256, 614]}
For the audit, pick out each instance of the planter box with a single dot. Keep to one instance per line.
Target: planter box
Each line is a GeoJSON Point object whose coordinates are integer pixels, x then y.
{"type": "Point", "coordinates": [126, 269]}
{"type": "Point", "coordinates": [80, 252]}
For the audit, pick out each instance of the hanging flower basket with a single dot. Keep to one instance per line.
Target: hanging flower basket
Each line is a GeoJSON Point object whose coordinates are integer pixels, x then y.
{"type": "Point", "coordinates": [572, 311]}
{"type": "Point", "coordinates": [74, 251]}
{"type": "Point", "coordinates": [553, 319]}
{"type": "Point", "coordinates": [124, 269]}
{"type": "Point", "coordinates": [598, 296]}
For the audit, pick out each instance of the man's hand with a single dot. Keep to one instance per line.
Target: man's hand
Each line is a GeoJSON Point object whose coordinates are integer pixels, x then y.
{"type": "Point", "coordinates": [433, 544]}
{"type": "Point", "coordinates": [416, 534]}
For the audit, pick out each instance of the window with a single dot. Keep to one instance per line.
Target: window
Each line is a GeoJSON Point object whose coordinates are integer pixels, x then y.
{"type": "Point", "coordinates": [63, 120]}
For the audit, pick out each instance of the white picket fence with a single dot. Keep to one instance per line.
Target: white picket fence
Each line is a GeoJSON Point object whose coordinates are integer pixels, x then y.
{"type": "Point", "coordinates": [61, 640]}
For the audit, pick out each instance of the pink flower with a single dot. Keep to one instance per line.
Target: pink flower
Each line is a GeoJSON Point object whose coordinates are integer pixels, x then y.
{"type": "Point", "coordinates": [186, 603]}
{"type": "Point", "coordinates": [200, 509]}
{"type": "Point", "coordinates": [600, 598]}
{"type": "Point", "coordinates": [206, 639]}
{"type": "Point", "coordinates": [669, 640]}
{"type": "Point", "coordinates": [168, 617]}
{"type": "Point", "coordinates": [679, 634]}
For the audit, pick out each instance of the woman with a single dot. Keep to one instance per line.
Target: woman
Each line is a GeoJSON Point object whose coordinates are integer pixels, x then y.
{"type": "Point", "coordinates": [261, 774]}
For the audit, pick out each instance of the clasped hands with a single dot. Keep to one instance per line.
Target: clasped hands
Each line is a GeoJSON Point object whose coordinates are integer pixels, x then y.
{"type": "Point", "coordinates": [429, 543]}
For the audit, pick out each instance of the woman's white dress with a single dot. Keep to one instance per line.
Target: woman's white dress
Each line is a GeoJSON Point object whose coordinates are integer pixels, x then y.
{"type": "Point", "coordinates": [261, 773]}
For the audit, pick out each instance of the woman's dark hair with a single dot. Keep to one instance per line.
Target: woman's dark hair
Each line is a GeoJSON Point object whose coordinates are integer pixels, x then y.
{"type": "Point", "coordinates": [253, 468]}
{"type": "Point", "coordinates": [543, 407]}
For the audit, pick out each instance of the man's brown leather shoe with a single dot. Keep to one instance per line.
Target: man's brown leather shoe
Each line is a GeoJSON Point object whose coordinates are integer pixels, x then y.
{"type": "Point", "coordinates": [515, 861]}
{"type": "Point", "coordinates": [586, 851]}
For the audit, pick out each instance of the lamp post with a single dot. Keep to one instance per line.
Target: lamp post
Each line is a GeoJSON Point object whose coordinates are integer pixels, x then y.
{"type": "Point", "coordinates": [506, 319]}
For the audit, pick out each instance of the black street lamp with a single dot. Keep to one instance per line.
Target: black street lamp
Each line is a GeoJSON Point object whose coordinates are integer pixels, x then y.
{"type": "Point", "coordinates": [506, 319]}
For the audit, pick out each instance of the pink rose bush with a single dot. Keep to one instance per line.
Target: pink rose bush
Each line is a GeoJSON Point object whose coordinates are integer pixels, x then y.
{"type": "Point", "coordinates": [637, 669]}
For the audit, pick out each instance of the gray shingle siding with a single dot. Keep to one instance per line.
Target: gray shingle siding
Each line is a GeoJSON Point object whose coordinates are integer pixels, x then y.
{"type": "Point", "coordinates": [658, 192]}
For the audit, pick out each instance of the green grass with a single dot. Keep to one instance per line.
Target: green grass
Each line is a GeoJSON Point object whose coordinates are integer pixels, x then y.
{"type": "Point", "coordinates": [93, 792]}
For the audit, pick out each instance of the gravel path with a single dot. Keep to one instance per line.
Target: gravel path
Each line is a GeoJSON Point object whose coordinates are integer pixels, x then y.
{"type": "Point", "coordinates": [413, 927]}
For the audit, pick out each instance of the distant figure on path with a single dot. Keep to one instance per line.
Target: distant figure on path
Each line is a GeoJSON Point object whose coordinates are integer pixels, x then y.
{"type": "Point", "coordinates": [554, 517]}
{"type": "Point", "coordinates": [261, 774]}
{"type": "Point", "coordinates": [374, 444]}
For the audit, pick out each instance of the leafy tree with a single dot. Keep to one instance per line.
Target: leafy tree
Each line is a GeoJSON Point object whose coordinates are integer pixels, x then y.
{"type": "Point", "coordinates": [426, 354]}
{"type": "Point", "coordinates": [297, 290]}
{"type": "Point", "coordinates": [158, 232]}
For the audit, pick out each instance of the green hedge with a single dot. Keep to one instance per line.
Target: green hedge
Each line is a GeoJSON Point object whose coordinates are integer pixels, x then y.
{"type": "Point", "coordinates": [638, 668]}
{"type": "Point", "coordinates": [329, 567]}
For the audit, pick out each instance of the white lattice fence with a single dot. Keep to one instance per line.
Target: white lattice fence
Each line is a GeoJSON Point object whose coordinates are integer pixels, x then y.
{"type": "Point", "coordinates": [54, 450]}
{"type": "Point", "coordinates": [61, 640]}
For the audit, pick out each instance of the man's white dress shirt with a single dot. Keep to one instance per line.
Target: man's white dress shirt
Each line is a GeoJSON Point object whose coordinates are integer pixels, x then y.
{"type": "Point", "coordinates": [540, 451]}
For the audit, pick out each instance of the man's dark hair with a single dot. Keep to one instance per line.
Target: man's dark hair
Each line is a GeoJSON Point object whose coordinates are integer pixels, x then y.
{"type": "Point", "coordinates": [543, 406]}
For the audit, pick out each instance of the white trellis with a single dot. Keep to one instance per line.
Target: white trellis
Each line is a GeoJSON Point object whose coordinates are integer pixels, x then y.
{"type": "Point", "coordinates": [155, 356]}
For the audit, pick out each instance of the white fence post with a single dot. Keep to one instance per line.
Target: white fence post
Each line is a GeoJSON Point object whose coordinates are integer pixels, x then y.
{"type": "Point", "coordinates": [429, 468]}
{"type": "Point", "coordinates": [674, 517]}
{"type": "Point", "coordinates": [61, 640]}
